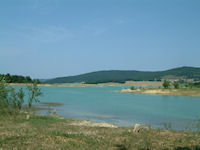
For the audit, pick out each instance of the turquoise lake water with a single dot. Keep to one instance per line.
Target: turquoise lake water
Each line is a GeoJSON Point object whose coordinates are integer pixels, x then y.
{"type": "Point", "coordinates": [104, 104]}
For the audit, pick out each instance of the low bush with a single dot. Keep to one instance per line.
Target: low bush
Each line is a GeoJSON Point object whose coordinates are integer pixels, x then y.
{"type": "Point", "coordinates": [132, 88]}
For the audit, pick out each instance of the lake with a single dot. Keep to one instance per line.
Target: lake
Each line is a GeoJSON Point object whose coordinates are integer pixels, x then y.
{"type": "Point", "coordinates": [103, 104]}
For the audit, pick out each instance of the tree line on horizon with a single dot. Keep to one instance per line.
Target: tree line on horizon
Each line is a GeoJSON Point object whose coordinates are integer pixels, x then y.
{"type": "Point", "coordinates": [18, 79]}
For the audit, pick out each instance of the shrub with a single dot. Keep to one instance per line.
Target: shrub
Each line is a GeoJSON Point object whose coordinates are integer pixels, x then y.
{"type": "Point", "coordinates": [33, 93]}
{"type": "Point", "coordinates": [132, 88]}
{"type": "Point", "coordinates": [166, 84]}
{"type": "Point", "coordinates": [176, 85]}
{"type": "Point", "coordinates": [11, 99]}
{"type": "Point", "coordinates": [3, 94]}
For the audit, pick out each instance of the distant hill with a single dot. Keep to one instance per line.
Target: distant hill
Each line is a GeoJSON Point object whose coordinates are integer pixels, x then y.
{"type": "Point", "coordinates": [121, 76]}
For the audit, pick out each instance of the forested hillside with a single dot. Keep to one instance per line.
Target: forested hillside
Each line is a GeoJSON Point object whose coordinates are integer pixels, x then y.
{"type": "Point", "coordinates": [121, 76]}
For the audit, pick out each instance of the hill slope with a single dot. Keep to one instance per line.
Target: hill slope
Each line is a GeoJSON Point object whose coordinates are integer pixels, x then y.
{"type": "Point", "coordinates": [125, 75]}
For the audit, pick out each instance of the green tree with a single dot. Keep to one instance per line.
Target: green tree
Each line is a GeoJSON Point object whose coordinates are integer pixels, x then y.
{"type": "Point", "coordinates": [36, 81]}
{"type": "Point", "coordinates": [3, 94]}
{"type": "Point", "coordinates": [132, 88]}
{"type": "Point", "coordinates": [17, 79]}
{"type": "Point", "coordinates": [176, 85]}
{"type": "Point", "coordinates": [28, 79]}
{"type": "Point", "coordinates": [8, 78]}
{"type": "Point", "coordinates": [20, 98]}
{"type": "Point", "coordinates": [10, 98]}
{"type": "Point", "coordinates": [33, 93]}
{"type": "Point", "coordinates": [166, 84]}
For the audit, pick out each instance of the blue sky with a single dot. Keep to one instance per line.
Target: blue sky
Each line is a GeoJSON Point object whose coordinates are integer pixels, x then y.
{"type": "Point", "coordinates": [51, 38]}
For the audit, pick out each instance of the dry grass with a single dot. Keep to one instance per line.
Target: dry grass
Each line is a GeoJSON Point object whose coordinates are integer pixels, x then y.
{"type": "Point", "coordinates": [47, 132]}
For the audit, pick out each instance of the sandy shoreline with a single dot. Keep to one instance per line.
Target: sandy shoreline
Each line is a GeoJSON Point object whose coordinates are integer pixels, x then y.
{"type": "Point", "coordinates": [136, 83]}
{"type": "Point", "coordinates": [169, 92]}
{"type": "Point", "coordinates": [93, 124]}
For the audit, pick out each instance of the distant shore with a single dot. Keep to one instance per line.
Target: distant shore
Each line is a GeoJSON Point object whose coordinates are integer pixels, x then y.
{"type": "Point", "coordinates": [170, 92]}
{"type": "Point", "coordinates": [136, 83]}
{"type": "Point", "coordinates": [43, 84]}
{"type": "Point", "coordinates": [157, 91]}
{"type": "Point", "coordinates": [127, 83]}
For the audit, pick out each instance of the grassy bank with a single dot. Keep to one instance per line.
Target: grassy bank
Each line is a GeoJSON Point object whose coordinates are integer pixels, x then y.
{"type": "Point", "coordinates": [47, 132]}
{"type": "Point", "coordinates": [172, 92]}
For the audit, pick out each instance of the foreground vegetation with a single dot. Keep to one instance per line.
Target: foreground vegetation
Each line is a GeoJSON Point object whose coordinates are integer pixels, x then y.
{"type": "Point", "coordinates": [12, 100]}
{"type": "Point", "coordinates": [48, 132]}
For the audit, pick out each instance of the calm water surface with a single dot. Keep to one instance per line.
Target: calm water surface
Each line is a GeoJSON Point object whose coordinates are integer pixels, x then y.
{"type": "Point", "coordinates": [103, 104]}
